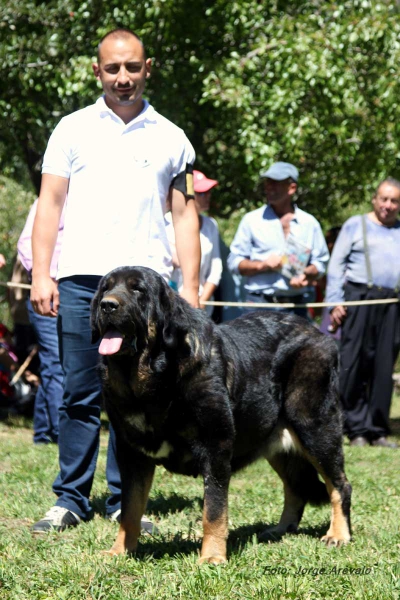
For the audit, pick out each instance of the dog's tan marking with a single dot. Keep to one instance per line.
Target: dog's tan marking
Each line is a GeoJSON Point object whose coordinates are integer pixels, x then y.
{"type": "Point", "coordinates": [141, 378]}
{"type": "Point", "coordinates": [338, 532]}
{"type": "Point", "coordinates": [111, 297]}
{"type": "Point", "coordinates": [229, 376]}
{"type": "Point", "coordinates": [213, 549]}
{"type": "Point", "coordinates": [151, 331]}
{"type": "Point", "coordinates": [193, 342]}
{"type": "Point", "coordinates": [197, 352]}
{"type": "Point", "coordinates": [129, 529]}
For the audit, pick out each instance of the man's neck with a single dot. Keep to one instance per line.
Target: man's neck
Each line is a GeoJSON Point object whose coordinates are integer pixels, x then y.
{"type": "Point", "coordinates": [283, 209]}
{"type": "Point", "coordinates": [374, 218]}
{"type": "Point", "coordinates": [126, 113]}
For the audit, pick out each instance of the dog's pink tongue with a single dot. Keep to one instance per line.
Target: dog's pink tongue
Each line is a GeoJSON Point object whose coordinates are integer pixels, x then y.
{"type": "Point", "coordinates": [111, 342]}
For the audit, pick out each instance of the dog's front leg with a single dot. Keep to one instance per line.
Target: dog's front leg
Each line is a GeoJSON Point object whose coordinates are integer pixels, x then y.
{"type": "Point", "coordinates": [215, 512]}
{"type": "Point", "coordinates": [137, 473]}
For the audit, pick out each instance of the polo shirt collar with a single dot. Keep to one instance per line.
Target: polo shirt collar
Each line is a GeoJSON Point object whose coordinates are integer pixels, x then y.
{"type": "Point", "coordinates": [147, 114]}
{"type": "Point", "coordinates": [270, 210]}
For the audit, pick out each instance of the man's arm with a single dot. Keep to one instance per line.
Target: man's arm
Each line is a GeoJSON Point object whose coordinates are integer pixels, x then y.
{"type": "Point", "coordinates": [254, 267]}
{"type": "Point", "coordinates": [240, 251]}
{"type": "Point", "coordinates": [336, 272]}
{"type": "Point", "coordinates": [187, 240]}
{"type": "Point", "coordinates": [44, 292]}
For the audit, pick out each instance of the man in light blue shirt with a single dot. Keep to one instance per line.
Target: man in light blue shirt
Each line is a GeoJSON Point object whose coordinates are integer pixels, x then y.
{"type": "Point", "coordinates": [279, 248]}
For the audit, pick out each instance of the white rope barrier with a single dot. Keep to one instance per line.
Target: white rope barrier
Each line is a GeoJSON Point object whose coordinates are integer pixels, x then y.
{"type": "Point", "coordinates": [307, 305]}
{"type": "Point", "coordinates": [10, 284]}
{"type": "Point", "coordinates": [27, 286]}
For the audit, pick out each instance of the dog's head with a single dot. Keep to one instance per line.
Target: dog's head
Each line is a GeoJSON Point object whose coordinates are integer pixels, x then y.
{"type": "Point", "coordinates": [132, 308]}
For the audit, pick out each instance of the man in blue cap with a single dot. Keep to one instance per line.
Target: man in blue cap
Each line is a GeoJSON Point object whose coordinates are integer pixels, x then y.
{"type": "Point", "coordinates": [279, 248]}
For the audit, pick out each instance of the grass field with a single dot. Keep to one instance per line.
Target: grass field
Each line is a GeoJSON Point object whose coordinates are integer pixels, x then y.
{"type": "Point", "coordinates": [69, 566]}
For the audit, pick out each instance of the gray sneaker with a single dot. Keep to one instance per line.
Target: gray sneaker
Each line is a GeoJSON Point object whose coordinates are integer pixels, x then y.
{"type": "Point", "coordinates": [146, 524]}
{"type": "Point", "coordinates": [56, 519]}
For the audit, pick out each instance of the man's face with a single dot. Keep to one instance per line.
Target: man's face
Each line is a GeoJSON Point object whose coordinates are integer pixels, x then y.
{"type": "Point", "coordinates": [202, 201]}
{"type": "Point", "coordinates": [122, 71]}
{"type": "Point", "coordinates": [386, 204]}
{"type": "Point", "coordinates": [278, 192]}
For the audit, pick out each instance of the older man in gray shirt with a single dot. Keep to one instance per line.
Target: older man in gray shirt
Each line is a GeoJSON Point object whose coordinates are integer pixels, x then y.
{"type": "Point", "coordinates": [365, 265]}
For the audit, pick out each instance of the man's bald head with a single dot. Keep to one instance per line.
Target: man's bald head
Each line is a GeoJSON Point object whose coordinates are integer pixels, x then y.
{"type": "Point", "coordinates": [121, 33]}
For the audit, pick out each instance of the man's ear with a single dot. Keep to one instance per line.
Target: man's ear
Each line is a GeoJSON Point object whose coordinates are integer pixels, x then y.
{"type": "Point", "coordinates": [148, 68]}
{"type": "Point", "coordinates": [96, 71]}
{"type": "Point", "coordinates": [292, 188]}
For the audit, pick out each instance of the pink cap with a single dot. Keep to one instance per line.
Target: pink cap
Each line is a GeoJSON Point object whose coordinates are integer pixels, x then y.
{"type": "Point", "coordinates": [201, 183]}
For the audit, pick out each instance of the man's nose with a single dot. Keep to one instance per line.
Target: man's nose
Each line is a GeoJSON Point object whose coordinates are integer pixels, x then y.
{"type": "Point", "coordinates": [123, 76]}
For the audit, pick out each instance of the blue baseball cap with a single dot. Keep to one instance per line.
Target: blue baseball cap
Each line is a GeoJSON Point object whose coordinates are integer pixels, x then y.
{"type": "Point", "coordinates": [280, 171]}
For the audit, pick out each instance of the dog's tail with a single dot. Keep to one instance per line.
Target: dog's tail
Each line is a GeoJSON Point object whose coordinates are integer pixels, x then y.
{"type": "Point", "coordinates": [301, 477]}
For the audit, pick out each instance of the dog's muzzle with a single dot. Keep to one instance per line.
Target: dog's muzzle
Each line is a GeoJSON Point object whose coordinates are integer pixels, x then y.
{"type": "Point", "coordinates": [109, 305]}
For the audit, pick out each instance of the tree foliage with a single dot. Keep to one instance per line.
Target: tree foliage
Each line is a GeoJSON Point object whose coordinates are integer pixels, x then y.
{"type": "Point", "coordinates": [313, 82]}
{"type": "Point", "coordinates": [15, 202]}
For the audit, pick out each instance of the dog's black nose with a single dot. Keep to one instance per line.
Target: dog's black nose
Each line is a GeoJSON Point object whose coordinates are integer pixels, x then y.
{"type": "Point", "coordinates": [109, 305]}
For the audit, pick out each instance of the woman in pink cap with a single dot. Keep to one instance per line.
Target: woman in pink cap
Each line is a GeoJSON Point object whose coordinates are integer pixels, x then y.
{"type": "Point", "coordinates": [211, 264]}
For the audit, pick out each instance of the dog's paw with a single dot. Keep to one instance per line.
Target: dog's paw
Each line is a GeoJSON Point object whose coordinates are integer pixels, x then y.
{"type": "Point", "coordinates": [117, 550]}
{"type": "Point", "coordinates": [112, 552]}
{"type": "Point", "coordinates": [212, 560]}
{"type": "Point", "coordinates": [333, 542]}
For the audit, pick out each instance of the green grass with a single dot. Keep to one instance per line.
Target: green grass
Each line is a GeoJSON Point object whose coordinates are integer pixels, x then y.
{"type": "Point", "coordinates": [69, 566]}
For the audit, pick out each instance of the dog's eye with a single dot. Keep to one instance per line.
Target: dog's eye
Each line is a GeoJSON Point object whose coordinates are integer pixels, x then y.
{"type": "Point", "coordinates": [135, 290]}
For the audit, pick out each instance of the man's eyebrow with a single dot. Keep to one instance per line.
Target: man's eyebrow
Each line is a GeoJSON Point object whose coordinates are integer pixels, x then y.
{"type": "Point", "coordinates": [130, 62]}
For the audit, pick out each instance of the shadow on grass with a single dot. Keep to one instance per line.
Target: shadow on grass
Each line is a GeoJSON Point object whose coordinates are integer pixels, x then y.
{"type": "Point", "coordinates": [395, 427]}
{"type": "Point", "coordinates": [179, 543]}
{"type": "Point", "coordinates": [240, 536]}
{"type": "Point", "coordinates": [158, 506]}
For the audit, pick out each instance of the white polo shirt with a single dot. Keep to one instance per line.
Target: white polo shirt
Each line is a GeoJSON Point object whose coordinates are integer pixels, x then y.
{"type": "Point", "coordinates": [119, 177]}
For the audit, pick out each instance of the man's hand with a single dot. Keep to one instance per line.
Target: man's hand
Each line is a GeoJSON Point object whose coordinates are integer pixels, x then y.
{"type": "Point", "coordinates": [337, 316]}
{"type": "Point", "coordinates": [249, 267]}
{"type": "Point", "coordinates": [2, 261]}
{"type": "Point", "coordinates": [299, 281]}
{"type": "Point", "coordinates": [191, 295]}
{"type": "Point", "coordinates": [308, 276]}
{"type": "Point", "coordinates": [45, 297]}
{"type": "Point", "coordinates": [273, 262]}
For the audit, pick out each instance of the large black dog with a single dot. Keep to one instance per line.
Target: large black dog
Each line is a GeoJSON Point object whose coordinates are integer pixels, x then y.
{"type": "Point", "coordinates": [207, 400]}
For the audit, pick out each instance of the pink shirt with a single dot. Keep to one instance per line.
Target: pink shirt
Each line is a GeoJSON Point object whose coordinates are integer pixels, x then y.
{"type": "Point", "coordinates": [24, 245]}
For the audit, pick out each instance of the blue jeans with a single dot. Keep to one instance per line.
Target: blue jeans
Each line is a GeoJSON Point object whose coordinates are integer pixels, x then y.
{"type": "Point", "coordinates": [50, 391]}
{"type": "Point", "coordinates": [80, 411]}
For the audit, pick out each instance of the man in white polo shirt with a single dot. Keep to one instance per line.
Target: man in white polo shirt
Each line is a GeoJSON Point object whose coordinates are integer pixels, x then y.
{"type": "Point", "coordinates": [117, 160]}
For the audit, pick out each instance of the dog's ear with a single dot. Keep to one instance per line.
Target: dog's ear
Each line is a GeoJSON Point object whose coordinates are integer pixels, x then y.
{"type": "Point", "coordinates": [94, 306]}
{"type": "Point", "coordinates": [167, 320]}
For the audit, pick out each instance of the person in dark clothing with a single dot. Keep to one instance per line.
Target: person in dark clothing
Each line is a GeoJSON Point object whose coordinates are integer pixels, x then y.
{"type": "Point", "coordinates": [365, 266]}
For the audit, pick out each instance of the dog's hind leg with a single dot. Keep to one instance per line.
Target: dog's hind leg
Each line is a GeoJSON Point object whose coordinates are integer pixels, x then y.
{"type": "Point", "coordinates": [312, 409]}
{"type": "Point", "coordinates": [325, 457]}
{"type": "Point", "coordinates": [339, 490]}
{"type": "Point", "coordinates": [301, 485]}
